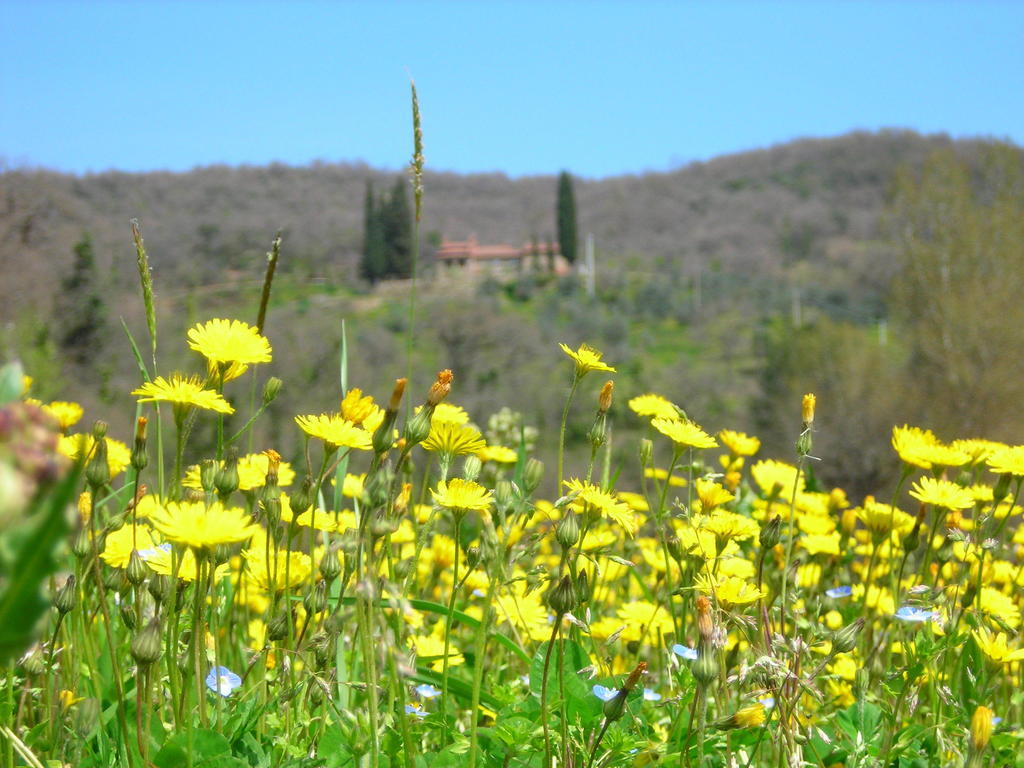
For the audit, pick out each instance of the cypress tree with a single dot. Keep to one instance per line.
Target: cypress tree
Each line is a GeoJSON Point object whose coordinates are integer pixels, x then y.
{"type": "Point", "coordinates": [396, 222]}
{"type": "Point", "coordinates": [565, 215]}
{"type": "Point", "coordinates": [373, 266]}
{"type": "Point", "coordinates": [80, 307]}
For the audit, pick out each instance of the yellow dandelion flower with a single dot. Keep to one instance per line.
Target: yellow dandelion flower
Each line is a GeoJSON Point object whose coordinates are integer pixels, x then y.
{"type": "Point", "coordinates": [587, 359]}
{"type": "Point", "coordinates": [942, 493]}
{"type": "Point", "coordinates": [881, 518]}
{"type": "Point", "coordinates": [430, 648]}
{"type": "Point", "coordinates": [223, 342]}
{"type": "Point", "coordinates": [321, 520]}
{"type": "Point", "coordinates": [462, 495]}
{"type": "Point", "coordinates": [183, 564]}
{"type": "Point", "coordinates": [685, 434]}
{"type": "Point", "coordinates": [729, 526]}
{"type": "Point", "coordinates": [978, 450]}
{"type": "Point", "coordinates": [197, 525]}
{"type": "Point", "coordinates": [660, 474]}
{"type": "Point", "coordinates": [655, 406]}
{"type": "Point", "coordinates": [80, 447]}
{"type": "Point", "coordinates": [644, 621]}
{"type": "Point", "coordinates": [1007, 460]}
{"type": "Point", "coordinates": [747, 717]}
{"type": "Point", "coordinates": [276, 570]}
{"type": "Point", "coordinates": [592, 498]}
{"type": "Point", "coordinates": [336, 431]}
{"type": "Point", "coordinates": [66, 413]}
{"type": "Point", "coordinates": [455, 414]}
{"type": "Point", "coordinates": [356, 407]}
{"type": "Point", "coordinates": [821, 543]}
{"type": "Point", "coordinates": [118, 545]}
{"type": "Point", "coordinates": [453, 439]}
{"type": "Point", "coordinates": [739, 443]}
{"type": "Point", "coordinates": [184, 393]}
{"type": "Point", "coordinates": [252, 473]}
{"type": "Point", "coordinates": [995, 646]}
{"type": "Point", "coordinates": [775, 477]}
{"type": "Point", "coordinates": [499, 454]}
{"type": "Point", "coordinates": [999, 608]}
{"type": "Point", "coordinates": [731, 591]}
{"type": "Point", "coordinates": [711, 494]}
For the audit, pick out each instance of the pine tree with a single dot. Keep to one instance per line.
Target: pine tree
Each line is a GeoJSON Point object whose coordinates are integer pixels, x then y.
{"type": "Point", "coordinates": [81, 311]}
{"type": "Point", "coordinates": [396, 223]}
{"type": "Point", "coordinates": [373, 265]}
{"type": "Point", "coordinates": [565, 215]}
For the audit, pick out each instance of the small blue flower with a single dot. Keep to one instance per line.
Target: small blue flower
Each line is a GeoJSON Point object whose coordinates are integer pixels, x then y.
{"type": "Point", "coordinates": [651, 695]}
{"type": "Point", "coordinates": [685, 652]}
{"type": "Point", "coordinates": [427, 691]}
{"type": "Point", "coordinates": [915, 614]}
{"type": "Point", "coordinates": [605, 694]}
{"type": "Point", "coordinates": [767, 702]}
{"type": "Point", "coordinates": [415, 710]}
{"type": "Point", "coordinates": [996, 720]}
{"type": "Point", "coordinates": [844, 591]}
{"type": "Point", "coordinates": [223, 681]}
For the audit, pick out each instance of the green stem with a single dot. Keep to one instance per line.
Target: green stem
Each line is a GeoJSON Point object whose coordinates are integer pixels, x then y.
{"type": "Point", "coordinates": [448, 618]}
{"type": "Point", "coordinates": [561, 429]}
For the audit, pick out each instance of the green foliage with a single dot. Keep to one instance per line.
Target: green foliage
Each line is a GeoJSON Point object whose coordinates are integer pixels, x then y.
{"type": "Point", "coordinates": [81, 310]}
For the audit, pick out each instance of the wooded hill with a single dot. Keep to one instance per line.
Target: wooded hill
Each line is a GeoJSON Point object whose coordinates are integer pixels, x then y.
{"type": "Point", "coordinates": [731, 286]}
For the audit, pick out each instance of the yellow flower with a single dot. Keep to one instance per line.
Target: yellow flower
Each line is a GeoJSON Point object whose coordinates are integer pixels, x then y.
{"type": "Point", "coordinates": [118, 545]}
{"type": "Point", "coordinates": [252, 473]}
{"type": "Point", "coordinates": [1007, 460]}
{"type": "Point", "coordinates": [336, 431]}
{"type": "Point", "coordinates": [456, 414]}
{"type": "Point", "coordinates": [730, 591]}
{"type": "Point", "coordinates": [162, 561]}
{"type": "Point", "coordinates": [499, 454]}
{"type": "Point", "coordinates": [685, 434]}
{"type": "Point", "coordinates": [654, 406]}
{"type": "Point", "coordinates": [276, 570]}
{"type": "Point", "coordinates": [322, 520]}
{"type": "Point", "coordinates": [751, 716]}
{"type": "Point", "coordinates": [184, 393]}
{"type": "Point", "coordinates": [807, 408]}
{"type": "Point", "coordinates": [462, 495]}
{"type": "Point", "coordinates": [356, 407]}
{"type": "Point", "coordinates": [711, 494]}
{"type": "Point", "coordinates": [453, 439]}
{"type": "Point", "coordinates": [591, 497]}
{"type": "Point", "coordinates": [67, 414]}
{"type": "Point", "coordinates": [196, 525]}
{"type": "Point", "coordinates": [587, 359]}
{"type": "Point", "coordinates": [644, 621]}
{"type": "Point", "coordinates": [68, 700]}
{"type": "Point", "coordinates": [880, 518]}
{"type": "Point", "coordinates": [921, 448]}
{"type": "Point", "coordinates": [80, 446]}
{"type": "Point", "coordinates": [821, 544]}
{"type": "Point", "coordinates": [430, 648]}
{"type": "Point", "coordinates": [999, 608]}
{"type": "Point", "coordinates": [730, 526]}
{"type": "Point", "coordinates": [994, 646]}
{"type": "Point", "coordinates": [223, 342]}
{"type": "Point", "coordinates": [738, 443]}
{"type": "Point", "coordinates": [942, 493]}
{"type": "Point", "coordinates": [660, 474]}
{"type": "Point", "coordinates": [981, 728]}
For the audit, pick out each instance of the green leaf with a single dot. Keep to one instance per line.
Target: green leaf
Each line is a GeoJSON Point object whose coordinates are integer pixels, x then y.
{"type": "Point", "coordinates": [28, 558]}
{"type": "Point", "coordinates": [580, 699]}
{"type": "Point", "coordinates": [208, 748]}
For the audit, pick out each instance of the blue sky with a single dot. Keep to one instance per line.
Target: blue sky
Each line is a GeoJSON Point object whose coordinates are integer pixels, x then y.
{"type": "Point", "coordinates": [598, 88]}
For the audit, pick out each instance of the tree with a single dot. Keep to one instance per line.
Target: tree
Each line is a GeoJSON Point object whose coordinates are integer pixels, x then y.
{"type": "Point", "coordinates": [396, 225]}
{"type": "Point", "coordinates": [80, 309]}
{"type": "Point", "coordinates": [373, 264]}
{"type": "Point", "coordinates": [959, 228]}
{"type": "Point", "coordinates": [565, 215]}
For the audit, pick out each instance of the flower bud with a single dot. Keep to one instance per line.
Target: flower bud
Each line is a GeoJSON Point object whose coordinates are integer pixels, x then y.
{"type": "Point", "coordinates": [504, 495]}
{"type": "Point", "coordinates": [208, 475]}
{"type": "Point", "coordinates": [583, 586]}
{"type": "Point", "coordinates": [615, 707]}
{"type": "Point", "coordinates": [418, 427]}
{"type": "Point", "coordinates": [97, 471]}
{"type": "Point", "coordinates": [807, 409]}
{"type": "Point", "coordinates": [646, 451]}
{"type": "Point", "coordinates": [403, 568]}
{"type": "Point", "coordinates": [771, 533]}
{"type": "Point", "coordinates": [473, 557]}
{"type": "Point", "coordinates": [604, 400]}
{"type": "Point", "coordinates": [845, 640]}
{"type": "Point", "coordinates": [82, 545]}
{"type": "Point", "coordinates": [439, 389]}
{"type": "Point", "coordinates": [302, 499]}
{"type": "Point", "coordinates": [568, 531]}
{"type": "Point", "coordinates": [137, 570]}
{"type": "Point", "coordinates": [562, 597]}
{"type": "Point", "coordinates": [273, 469]}
{"type": "Point", "coordinates": [139, 457]}
{"type": "Point", "coordinates": [316, 600]}
{"type": "Point", "coordinates": [330, 565]}
{"type": "Point", "coordinates": [67, 597]}
{"type": "Point", "coordinates": [705, 668]}
{"type": "Point", "coordinates": [128, 617]}
{"type": "Point", "coordinates": [981, 728]}
{"type": "Point", "coordinates": [146, 645]}
{"type": "Point", "coordinates": [226, 481]}
{"type": "Point", "coordinates": [1002, 487]}
{"type": "Point", "coordinates": [160, 586]}
{"type": "Point", "coordinates": [705, 623]}
{"type": "Point", "coordinates": [396, 394]}
{"type": "Point", "coordinates": [114, 579]}
{"type": "Point", "coordinates": [471, 467]}
{"type": "Point", "coordinates": [32, 662]}
{"type": "Point", "coordinates": [277, 627]}
{"type": "Point", "coordinates": [271, 390]}
{"type": "Point", "coordinates": [533, 473]}
{"type": "Point", "coordinates": [598, 433]}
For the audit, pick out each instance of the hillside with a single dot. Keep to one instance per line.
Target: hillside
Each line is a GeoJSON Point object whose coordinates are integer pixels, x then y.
{"type": "Point", "coordinates": [715, 283]}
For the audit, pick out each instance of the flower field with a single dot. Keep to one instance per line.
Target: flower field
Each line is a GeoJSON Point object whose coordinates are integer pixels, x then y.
{"type": "Point", "coordinates": [400, 595]}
